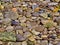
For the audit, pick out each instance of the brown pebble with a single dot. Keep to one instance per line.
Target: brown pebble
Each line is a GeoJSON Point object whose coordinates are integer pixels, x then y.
{"type": "Point", "coordinates": [39, 28]}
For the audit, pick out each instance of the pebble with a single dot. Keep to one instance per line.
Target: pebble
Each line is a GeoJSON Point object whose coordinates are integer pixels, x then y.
{"type": "Point", "coordinates": [27, 34]}
{"type": "Point", "coordinates": [39, 28]}
{"type": "Point", "coordinates": [9, 28]}
{"type": "Point", "coordinates": [24, 43]}
{"type": "Point", "coordinates": [20, 37]}
{"type": "Point", "coordinates": [35, 32]}
{"type": "Point", "coordinates": [44, 15]}
{"type": "Point", "coordinates": [31, 38]}
{"type": "Point", "coordinates": [19, 32]}
{"type": "Point", "coordinates": [22, 19]}
{"type": "Point", "coordinates": [13, 22]}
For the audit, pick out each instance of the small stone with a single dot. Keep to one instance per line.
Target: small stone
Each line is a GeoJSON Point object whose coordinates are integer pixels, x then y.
{"type": "Point", "coordinates": [36, 9]}
{"type": "Point", "coordinates": [31, 38]}
{"type": "Point", "coordinates": [33, 24]}
{"type": "Point", "coordinates": [19, 32]}
{"type": "Point", "coordinates": [35, 14]}
{"type": "Point", "coordinates": [33, 17]}
{"type": "Point", "coordinates": [23, 24]}
{"type": "Point", "coordinates": [44, 36]}
{"type": "Point", "coordinates": [27, 34]}
{"type": "Point", "coordinates": [30, 42]}
{"type": "Point", "coordinates": [11, 15]}
{"type": "Point", "coordinates": [44, 42]}
{"type": "Point", "coordinates": [20, 37]}
{"type": "Point", "coordinates": [18, 28]}
{"type": "Point", "coordinates": [39, 28]}
{"type": "Point", "coordinates": [22, 19]}
{"type": "Point", "coordinates": [24, 43]}
{"type": "Point", "coordinates": [6, 21]}
{"type": "Point", "coordinates": [35, 32]}
{"type": "Point", "coordinates": [44, 15]}
{"type": "Point", "coordinates": [13, 22]}
{"type": "Point", "coordinates": [10, 28]}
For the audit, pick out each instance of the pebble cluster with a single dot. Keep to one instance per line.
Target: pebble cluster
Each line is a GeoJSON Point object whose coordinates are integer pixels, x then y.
{"type": "Point", "coordinates": [29, 22]}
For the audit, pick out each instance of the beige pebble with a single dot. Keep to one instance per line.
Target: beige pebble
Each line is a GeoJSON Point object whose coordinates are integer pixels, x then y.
{"type": "Point", "coordinates": [35, 32]}
{"type": "Point", "coordinates": [19, 32]}
{"type": "Point", "coordinates": [22, 19]}
{"type": "Point", "coordinates": [31, 38]}
{"type": "Point", "coordinates": [24, 43]}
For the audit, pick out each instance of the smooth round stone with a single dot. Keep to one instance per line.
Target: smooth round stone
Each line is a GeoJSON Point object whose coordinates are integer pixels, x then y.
{"type": "Point", "coordinates": [20, 37]}
{"type": "Point", "coordinates": [10, 28]}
